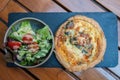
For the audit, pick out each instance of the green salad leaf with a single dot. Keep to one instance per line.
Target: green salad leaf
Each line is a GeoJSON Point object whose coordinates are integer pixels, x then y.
{"type": "Point", "coordinates": [15, 36]}
{"type": "Point", "coordinates": [22, 53]}
{"type": "Point", "coordinates": [23, 62]}
{"type": "Point", "coordinates": [45, 47]}
{"type": "Point", "coordinates": [40, 54]}
{"type": "Point", "coordinates": [44, 33]}
{"type": "Point", "coordinates": [24, 28]}
{"type": "Point", "coordinates": [43, 36]}
{"type": "Point", "coordinates": [29, 57]}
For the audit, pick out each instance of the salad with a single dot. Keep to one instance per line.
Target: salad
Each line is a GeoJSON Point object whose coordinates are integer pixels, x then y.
{"type": "Point", "coordinates": [30, 46]}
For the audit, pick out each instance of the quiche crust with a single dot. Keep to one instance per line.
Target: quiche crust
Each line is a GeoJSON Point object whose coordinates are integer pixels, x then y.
{"type": "Point", "coordinates": [67, 55]}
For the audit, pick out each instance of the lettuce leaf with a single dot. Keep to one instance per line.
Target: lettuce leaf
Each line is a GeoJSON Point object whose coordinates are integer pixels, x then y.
{"type": "Point", "coordinates": [15, 36]}
{"type": "Point", "coordinates": [39, 54]}
{"type": "Point", "coordinates": [45, 47]}
{"type": "Point", "coordinates": [44, 33]}
{"type": "Point", "coordinates": [23, 29]}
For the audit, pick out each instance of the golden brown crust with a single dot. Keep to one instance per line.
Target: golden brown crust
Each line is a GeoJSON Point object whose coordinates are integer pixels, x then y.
{"type": "Point", "coordinates": [101, 44]}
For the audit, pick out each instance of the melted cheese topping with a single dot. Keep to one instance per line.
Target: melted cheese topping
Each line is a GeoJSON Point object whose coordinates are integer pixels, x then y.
{"type": "Point", "coordinates": [81, 55]}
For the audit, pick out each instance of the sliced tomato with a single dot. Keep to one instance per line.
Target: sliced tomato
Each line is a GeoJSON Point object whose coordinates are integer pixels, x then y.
{"type": "Point", "coordinates": [14, 44]}
{"type": "Point", "coordinates": [28, 38]}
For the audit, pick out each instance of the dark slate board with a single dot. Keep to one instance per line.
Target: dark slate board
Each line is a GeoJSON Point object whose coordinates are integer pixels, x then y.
{"type": "Point", "coordinates": [107, 21]}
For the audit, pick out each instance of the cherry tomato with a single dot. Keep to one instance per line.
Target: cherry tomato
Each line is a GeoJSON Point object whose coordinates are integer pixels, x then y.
{"type": "Point", "coordinates": [14, 44]}
{"type": "Point", "coordinates": [28, 38]}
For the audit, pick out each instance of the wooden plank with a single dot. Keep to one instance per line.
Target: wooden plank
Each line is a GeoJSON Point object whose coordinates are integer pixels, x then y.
{"type": "Point", "coordinates": [51, 74]}
{"type": "Point", "coordinates": [106, 74]}
{"type": "Point", "coordinates": [80, 5]}
{"type": "Point", "coordinates": [117, 68]}
{"type": "Point", "coordinates": [3, 29]}
{"type": "Point", "coordinates": [3, 4]}
{"type": "Point", "coordinates": [9, 73]}
{"type": "Point", "coordinates": [41, 5]}
{"type": "Point", "coordinates": [11, 7]}
{"type": "Point", "coordinates": [112, 5]}
{"type": "Point", "coordinates": [90, 74]}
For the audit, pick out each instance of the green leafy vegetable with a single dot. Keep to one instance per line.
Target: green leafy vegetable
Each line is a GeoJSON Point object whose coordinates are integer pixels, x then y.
{"type": "Point", "coordinates": [24, 28]}
{"type": "Point", "coordinates": [13, 29]}
{"type": "Point", "coordinates": [15, 36]}
{"type": "Point", "coordinates": [28, 57]}
{"type": "Point", "coordinates": [23, 62]}
{"type": "Point", "coordinates": [22, 53]}
{"type": "Point", "coordinates": [84, 51]}
{"type": "Point", "coordinates": [45, 47]}
{"type": "Point", "coordinates": [40, 54]}
{"type": "Point", "coordinates": [44, 33]}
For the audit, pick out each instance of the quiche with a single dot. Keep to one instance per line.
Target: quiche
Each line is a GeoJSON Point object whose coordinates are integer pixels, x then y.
{"type": "Point", "coordinates": [80, 43]}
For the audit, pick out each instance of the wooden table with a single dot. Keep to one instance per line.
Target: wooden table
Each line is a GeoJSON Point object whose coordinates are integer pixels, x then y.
{"type": "Point", "coordinates": [8, 6]}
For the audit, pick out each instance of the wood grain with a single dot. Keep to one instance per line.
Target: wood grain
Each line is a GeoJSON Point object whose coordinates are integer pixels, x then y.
{"type": "Point", "coordinates": [106, 74]}
{"type": "Point", "coordinates": [91, 74]}
{"type": "Point", "coordinates": [112, 5]}
{"type": "Point", "coordinates": [80, 5]}
{"type": "Point", "coordinates": [41, 5]}
{"type": "Point", "coordinates": [3, 4]}
{"type": "Point", "coordinates": [11, 7]}
{"type": "Point", "coordinates": [50, 74]}
{"type": "Point", "coordinates": [3, 29]}
{"type": "Point", "coordinates": [9, 73]}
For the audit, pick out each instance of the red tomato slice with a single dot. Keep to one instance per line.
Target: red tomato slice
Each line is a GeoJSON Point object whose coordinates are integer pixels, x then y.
{"type": "Point", "coordinates": [28, 38]}
{"type": "Point", "coordinates": [14, 44]}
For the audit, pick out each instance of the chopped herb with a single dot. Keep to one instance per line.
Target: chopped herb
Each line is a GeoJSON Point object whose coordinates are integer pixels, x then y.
{"type": "Point", "coordinates": [84, 51]}
{"type": "Point", "coordinates": [78, 46]}
{"type": "Point", "coordinates": [90, 46]}
{"type": "Point", "coordinates": [67, 33]}
{"type": "Point", "coordinates": [73, 40]}
{"type": "Point", "coordinates": [70, 24]}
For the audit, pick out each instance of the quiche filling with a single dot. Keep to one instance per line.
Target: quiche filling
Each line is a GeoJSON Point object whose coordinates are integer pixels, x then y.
{"type": "Point", "coordinates": [79, 41]}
